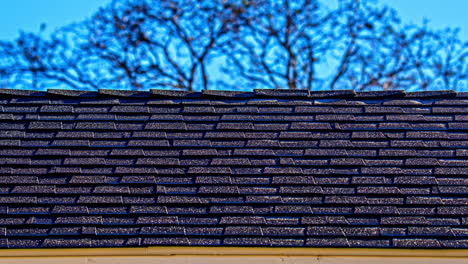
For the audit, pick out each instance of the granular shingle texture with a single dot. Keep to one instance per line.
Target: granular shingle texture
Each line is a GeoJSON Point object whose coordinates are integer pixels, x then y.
{"type": "Point", "coordinates": [287, 168]}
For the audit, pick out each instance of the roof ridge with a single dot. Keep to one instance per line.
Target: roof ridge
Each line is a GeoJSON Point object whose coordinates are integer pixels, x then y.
{"type": "Point", "coordinates": [257, 93]}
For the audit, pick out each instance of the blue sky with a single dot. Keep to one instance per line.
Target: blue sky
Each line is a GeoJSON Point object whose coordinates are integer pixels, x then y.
{"type": "Point", "coordinates": [441, 13]}
{"type": "Point", "coordinates": [27, 15]}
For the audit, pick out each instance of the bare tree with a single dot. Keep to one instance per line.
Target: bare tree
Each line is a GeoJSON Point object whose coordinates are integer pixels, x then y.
{"type": "Point", "coordinates": [281, 42]}
{"type": "Point", "coordinates": [238, 44]}
{"type": "Point", "coordinates": [156, 43]}
{"type": "Point", "coordinates": [358, 45]}
{"type": "Point", "coordinates": [384, 54]}
{"type": "Point", "coordinates": [448, 67]}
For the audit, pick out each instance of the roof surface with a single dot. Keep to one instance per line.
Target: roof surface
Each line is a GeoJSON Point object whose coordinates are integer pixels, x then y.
{"type": "Point", "coordinates": [269, 168]}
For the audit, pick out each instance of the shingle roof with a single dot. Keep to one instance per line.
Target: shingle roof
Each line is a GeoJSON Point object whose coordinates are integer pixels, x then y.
{"type": "Point", "coordinates": [265, 168]}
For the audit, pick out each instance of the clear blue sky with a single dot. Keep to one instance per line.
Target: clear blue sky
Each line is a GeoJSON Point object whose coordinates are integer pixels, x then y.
{"type": "Point", "coordinates": [441, 13]}
{"type": "Point", "coordinates": [27, 15]}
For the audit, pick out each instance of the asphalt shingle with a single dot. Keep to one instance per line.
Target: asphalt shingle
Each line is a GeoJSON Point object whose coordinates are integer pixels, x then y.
{"type": "Point", "coordinates": [219, 168]}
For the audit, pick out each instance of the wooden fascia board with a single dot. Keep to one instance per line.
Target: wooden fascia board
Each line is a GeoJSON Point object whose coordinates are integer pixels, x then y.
{"type": "Point", "coordinates": [233, 251]}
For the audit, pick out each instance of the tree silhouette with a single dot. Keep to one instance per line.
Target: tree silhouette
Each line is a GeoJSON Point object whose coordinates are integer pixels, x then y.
{"type": "Point", "coordinates": [238, 44]}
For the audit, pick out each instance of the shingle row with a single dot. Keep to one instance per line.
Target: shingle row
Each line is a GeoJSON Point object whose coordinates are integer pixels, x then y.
{"type": "Point", "coordinates": [210, 231]}
{"type": "Point", "coordinates": [111, 159]}
{"type": "Point", "coordinates": [446, 211]}
{"type": "Point", "coordinates": [385, 225]}
{"type": "Point", "coordinates": [232, 241]}
{"type": "Point", "coordinates": [281, 93]}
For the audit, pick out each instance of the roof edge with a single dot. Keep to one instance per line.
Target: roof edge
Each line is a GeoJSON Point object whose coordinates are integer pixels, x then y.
{"type": "Point", "coordinates": [231, 94]}
{"type": "Point", "coordinates": [233, 251]}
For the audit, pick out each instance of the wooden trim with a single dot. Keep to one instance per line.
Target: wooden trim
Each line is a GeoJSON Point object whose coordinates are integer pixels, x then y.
{"type": "Point", "coordinates": [233, 251]}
